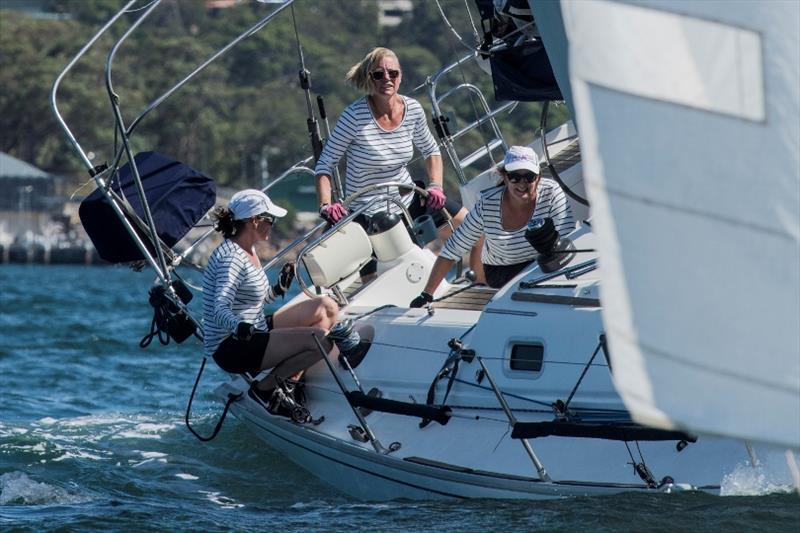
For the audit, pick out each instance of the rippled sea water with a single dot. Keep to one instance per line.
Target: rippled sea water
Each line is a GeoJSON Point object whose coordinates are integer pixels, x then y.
{"type": "Point", "coordinates": [92, 438]}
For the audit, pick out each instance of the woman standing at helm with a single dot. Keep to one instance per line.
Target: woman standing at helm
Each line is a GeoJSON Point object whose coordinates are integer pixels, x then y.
{"type": "Point", "coordinates": [378, 133]}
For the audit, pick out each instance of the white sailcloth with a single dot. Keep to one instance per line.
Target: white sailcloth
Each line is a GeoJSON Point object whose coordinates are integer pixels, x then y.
{"type": "Point", "coordinates": [690, 126]}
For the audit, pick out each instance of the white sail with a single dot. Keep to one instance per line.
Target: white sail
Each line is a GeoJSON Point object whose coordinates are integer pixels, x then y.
{"type": "Point", "coordinates": [690, 127]}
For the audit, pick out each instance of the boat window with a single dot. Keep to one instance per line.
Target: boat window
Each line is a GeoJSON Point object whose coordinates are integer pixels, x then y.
{"type": "Point", "coordinates": [527, 357]}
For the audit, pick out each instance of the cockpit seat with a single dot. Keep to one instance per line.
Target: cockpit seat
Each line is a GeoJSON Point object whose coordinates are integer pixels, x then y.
{"type": "Point", "coordinates": [339, 257]}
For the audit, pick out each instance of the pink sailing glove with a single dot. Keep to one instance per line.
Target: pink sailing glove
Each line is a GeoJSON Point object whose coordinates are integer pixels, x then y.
{"type": "Point", "coordinates": [436, 197]}
{"type": "Point", "coordinates": [333, 213]}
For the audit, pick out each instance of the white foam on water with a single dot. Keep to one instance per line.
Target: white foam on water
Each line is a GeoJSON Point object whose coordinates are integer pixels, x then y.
{"type": "Point", "coordinates": [84, 437]}
{"type": "Point", "coordinates": [78, 454]}
{"type": "Point", "coordinates": [188, 477]}
{"type": "Point", "coordinates": [746, 480]}
{"type": "Point", "coordinates": [150, 455]}
{"type": "Point", "coordinates": [10, 431]}
{"type": "Point", "coordinates": [147, 430]}
{"type": "Point", "coordinates": [223, 501]}
{"type": "Point", "coordinates": [16, 488]}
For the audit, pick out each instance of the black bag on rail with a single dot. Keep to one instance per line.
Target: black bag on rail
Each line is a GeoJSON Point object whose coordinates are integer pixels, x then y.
{"type": "Point", "coordinates": [177, 194]}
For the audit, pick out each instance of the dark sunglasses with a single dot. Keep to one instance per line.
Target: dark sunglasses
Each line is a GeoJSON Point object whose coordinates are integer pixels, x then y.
{"type": "Point", "coordinates": [516, 177]}
{"type": "Point", "coordinates": [266, 217]}
{"type": "Point", "coordinates": [378, 75]}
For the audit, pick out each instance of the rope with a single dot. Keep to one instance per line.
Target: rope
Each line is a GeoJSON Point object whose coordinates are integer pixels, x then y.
{"type": "Point", "coordinates": [134, 10]}
{"type": "Point", "coordinates": [452, 29]}
{"type": "Point", "coordinates": [585, 369]}
{"type": "Point", "coordinates": [231, 398]}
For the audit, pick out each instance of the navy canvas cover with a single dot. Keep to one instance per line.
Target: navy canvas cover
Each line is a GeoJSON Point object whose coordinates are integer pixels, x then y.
{"type": "Point", "coordinates": [522, 71]}
{"type": "Point", "coordinates": [177, 194]}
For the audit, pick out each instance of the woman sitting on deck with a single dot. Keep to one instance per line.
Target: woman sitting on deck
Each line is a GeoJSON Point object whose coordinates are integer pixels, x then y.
{"type": "Point", "coordinates": [235, 288]}
{"type": "Point", "coordinates": [502, 214]}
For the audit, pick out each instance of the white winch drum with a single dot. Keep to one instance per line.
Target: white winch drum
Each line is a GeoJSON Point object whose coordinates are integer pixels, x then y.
{"type": "Point", "coordinates": [339, 256]}
{"type": "Point", "coordinates": [389, 237]}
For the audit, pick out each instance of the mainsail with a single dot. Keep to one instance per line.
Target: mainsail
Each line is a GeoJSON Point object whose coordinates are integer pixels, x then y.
{"type": "Point", "coordinates": [690, 127]}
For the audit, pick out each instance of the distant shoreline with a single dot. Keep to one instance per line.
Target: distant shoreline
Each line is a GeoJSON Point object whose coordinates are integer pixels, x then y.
{"type": "Point", "coordinates": [17, 254]}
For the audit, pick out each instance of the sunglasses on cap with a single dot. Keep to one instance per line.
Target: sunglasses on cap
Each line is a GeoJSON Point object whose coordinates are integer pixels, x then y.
{"type": "Point", "coordinates": [378, 75]}
{"type": "Point", "coordinates": [520, 175]}
{"type": "Point", "coordinates": [266, 217]}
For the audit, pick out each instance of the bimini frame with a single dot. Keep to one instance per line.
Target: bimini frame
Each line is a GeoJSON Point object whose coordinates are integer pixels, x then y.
{"type": "Point", "coordinates": [105, 174]}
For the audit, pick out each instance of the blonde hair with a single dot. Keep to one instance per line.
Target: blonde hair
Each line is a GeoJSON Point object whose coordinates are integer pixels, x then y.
{"type": "Point", "coordinates": [358, 75]}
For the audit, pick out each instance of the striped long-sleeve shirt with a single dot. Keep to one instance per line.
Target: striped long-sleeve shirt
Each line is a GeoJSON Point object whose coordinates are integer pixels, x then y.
{"type": "Point", "coordinates": [375, 155]}
{"type": "Point", "coordinates": [234, 290]}
{"type": "Point", "coordinates": [504, 247]}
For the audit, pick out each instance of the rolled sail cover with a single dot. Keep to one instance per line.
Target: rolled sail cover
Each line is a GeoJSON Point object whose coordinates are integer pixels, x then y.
{"type": "Point", "coordinates": [177, 194]}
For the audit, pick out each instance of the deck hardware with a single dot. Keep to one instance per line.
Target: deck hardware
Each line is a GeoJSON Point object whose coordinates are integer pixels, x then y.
{"type": "Point", "coordinates": [543, 475]}
{"type": "Point", "coordinates": [563, 272]}
{"type": "Point", "coordinates": [374, 392]}
{"type": "Point", "coordinates": [376, 444]}
{"type": "Point", "coordinates": [393, 447]}
{"type": "Point", "coordinates": [357, 433]}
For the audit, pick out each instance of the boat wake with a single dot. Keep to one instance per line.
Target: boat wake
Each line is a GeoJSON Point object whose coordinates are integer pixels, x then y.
{"type": "Point", "coordinates": [16, 488]}
{"type": "Point", "coordinates": [746, 480]}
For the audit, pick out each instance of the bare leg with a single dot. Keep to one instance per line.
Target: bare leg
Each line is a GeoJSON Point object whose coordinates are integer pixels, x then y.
{"type": "Point", "coordinates": [321, 312]}
{"type": "Point", "coordinates": [291, 350]}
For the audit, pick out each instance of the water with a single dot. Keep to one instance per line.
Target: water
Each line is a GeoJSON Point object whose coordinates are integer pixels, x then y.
{"type": "Point", "coordinates": [92, 438]}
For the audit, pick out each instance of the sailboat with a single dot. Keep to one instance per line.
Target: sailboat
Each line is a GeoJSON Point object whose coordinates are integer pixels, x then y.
{"type": "Point", "coordinates": [702, 292]}
{"type": "Point", "coordinates": [521, 392]}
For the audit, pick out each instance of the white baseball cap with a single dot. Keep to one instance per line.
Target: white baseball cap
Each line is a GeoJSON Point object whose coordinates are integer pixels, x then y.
{"type": "Point", "coordinates": [251, 202]}
{"type": "Point", "coordinates": [521, 158]}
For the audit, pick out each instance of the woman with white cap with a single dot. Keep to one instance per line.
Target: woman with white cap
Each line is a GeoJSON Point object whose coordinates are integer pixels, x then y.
{"type": "Point", "coordinates": [502, 215]}
{"type": "Point", "coordinates": [235, 288]}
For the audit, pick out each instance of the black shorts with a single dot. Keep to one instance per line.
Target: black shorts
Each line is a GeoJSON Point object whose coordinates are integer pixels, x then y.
{"type": "Point", "coordinates": [237, 356]}
{"type": "Point", "coordinates": [499, 275]}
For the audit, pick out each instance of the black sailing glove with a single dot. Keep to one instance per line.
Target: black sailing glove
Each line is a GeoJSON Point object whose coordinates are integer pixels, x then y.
{"type": "Point", "coordinates": [244, 331]}
{"type": "Point", "coordinates": [285, 278]}
{"type": "Point", "coordinates": [422, 300]}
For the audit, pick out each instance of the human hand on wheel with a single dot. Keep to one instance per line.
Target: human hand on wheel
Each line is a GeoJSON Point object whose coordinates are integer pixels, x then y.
{"type": "Point", "coordinates": [436, 197]}
{"type": "Point", "coordinates": [333, 213]}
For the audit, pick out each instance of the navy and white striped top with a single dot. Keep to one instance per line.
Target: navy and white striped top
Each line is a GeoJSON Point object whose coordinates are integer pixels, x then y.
{"type": "Point", "coordinates": [375, 155]}
{"type": "Point", "coordinates": [504, 247]}
{"type": "Point", "coordinates": [234, 290]}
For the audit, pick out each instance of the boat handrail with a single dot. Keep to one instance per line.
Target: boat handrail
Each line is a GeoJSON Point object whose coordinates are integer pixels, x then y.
{"type": "Point", "coordinates": [401, 185]}
{"type": "Point", "coordinates": [439, 119]}
{"type": "Point", "coordinates": [305, 237]}
{"type": "Point", "coordinates": [57, 83]}
{"type": "Point", "coordinates": [126, 132]}
{"type": "Point", "coordinates": [159, 262]}
{"type": "Point", "coordinates": [331, 232]}
{"type": "Point", "coordinates": [249, 32]}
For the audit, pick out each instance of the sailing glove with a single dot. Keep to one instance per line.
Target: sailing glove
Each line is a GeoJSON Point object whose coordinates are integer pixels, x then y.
{"type": "Point", "coordinates": [333, 213]}
{"type": "Point", "coordinates": [244, 331]}
{"type": "Point", "coordinates": [285, 279]}
{"type": "Point", "coordinates": [422, 300]}
{"type": "Point", "coordinates": [436, 197]}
